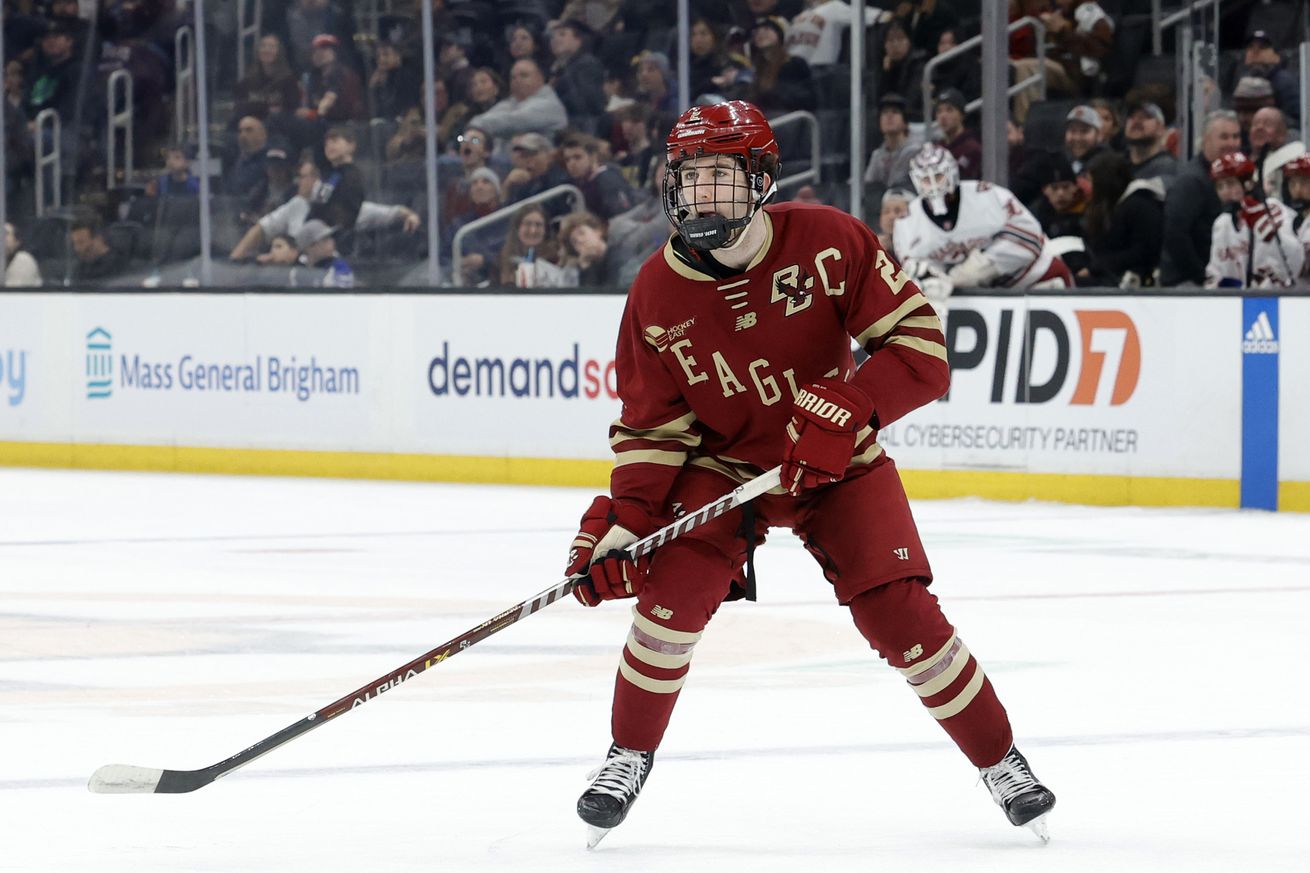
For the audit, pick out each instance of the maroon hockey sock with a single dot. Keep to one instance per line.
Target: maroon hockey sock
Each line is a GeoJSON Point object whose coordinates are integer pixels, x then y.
{"type": "Point", "coordinates": [904, 623]}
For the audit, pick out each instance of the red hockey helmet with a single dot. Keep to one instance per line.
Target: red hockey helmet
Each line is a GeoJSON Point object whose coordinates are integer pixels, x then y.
{"type": "Point", "coordinates": [736, 129]}
{"type": "Point", "coordinates": [1232, 166]}
{"type": "Point", "coordinates": [1297, 167]}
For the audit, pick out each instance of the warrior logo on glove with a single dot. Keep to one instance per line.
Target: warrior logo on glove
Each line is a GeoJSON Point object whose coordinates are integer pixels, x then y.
{"type": "Point", "coordinates": [825, 423]}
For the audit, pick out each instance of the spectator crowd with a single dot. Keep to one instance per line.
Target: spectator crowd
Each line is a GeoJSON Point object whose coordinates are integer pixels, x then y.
{"type": "Point", "coordinates": [551, 115]}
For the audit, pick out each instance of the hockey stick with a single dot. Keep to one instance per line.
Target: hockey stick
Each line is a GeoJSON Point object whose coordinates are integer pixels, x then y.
{"type": "Point", "coordinates": [130, 779]}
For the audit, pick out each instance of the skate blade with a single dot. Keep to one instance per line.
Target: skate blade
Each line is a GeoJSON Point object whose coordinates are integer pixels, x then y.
{"type": "Point", "coordinates": [1038, 826]}
{"type": "Point", "coordinates": [595, 835]}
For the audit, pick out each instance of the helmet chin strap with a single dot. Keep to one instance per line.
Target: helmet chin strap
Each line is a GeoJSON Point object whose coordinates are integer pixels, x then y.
{"type": "Point", "coordinates": [710, 232]}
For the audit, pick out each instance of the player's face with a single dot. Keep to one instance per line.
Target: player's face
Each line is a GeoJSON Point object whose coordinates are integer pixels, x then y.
{"type": "Point", "coordinates": [714, 184]}
{"type": "Point", "coordinates": [1299, 187]}
{"type": "Point", "coordinates": [1229, 190]}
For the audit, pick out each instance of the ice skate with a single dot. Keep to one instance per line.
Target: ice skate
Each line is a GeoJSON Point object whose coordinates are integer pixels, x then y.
{"type": "Point", "coordinates": [614, 788]}
{"type": "Point", "coordinates": [1017, 791]}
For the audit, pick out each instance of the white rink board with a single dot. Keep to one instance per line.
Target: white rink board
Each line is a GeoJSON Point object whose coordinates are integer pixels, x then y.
{"type": "Point", "coordinates": [1179, 417]}
{"type": "Point", "coordinates": [371, 392]}
{"type": "Point", "coordinates": [1294, 390]}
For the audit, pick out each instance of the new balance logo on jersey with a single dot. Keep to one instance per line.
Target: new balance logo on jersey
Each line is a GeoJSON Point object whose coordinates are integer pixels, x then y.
{"type": "Point", "coordinates": [661, 613]}
{"type": "Point", "coordinates": [902, 554]}
{"type": "Point", "coordinates": [744, 322]}
{"type": "Point", "coordinates": [1260, 339]}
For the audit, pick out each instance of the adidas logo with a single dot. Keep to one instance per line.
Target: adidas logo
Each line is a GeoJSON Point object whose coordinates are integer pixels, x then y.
{"type": "Point", "coordinates": [1260, 339]}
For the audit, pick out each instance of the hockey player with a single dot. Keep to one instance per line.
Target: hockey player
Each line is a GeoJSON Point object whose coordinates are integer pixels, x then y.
{"type": "Point", "coordinates": [734, 355]}
{"type": "Point", "coordinates": [1296, 175]}
{"type": "Point", "coordinates": [1252, 243]}
{"type": "Point", "coordinates": [970, 234]}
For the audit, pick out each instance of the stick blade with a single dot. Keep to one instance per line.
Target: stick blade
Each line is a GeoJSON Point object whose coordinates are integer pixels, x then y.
{"type": "Point", "coordinates": [125, 779]}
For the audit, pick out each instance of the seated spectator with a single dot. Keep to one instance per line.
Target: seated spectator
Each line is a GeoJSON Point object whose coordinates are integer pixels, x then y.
{"type": "Point", "coordinates": [527, 259]}
{"type": "Point", "coordinates": [889, 165]}
{"type": "Point", "coordinates": [818, 32]}
{"type": "Point", "coordinates": [522, 43]}
{"type": "Point", "coordinates": [1272, 146]}
{"type": "Point", "coordinates": [963, 72]}
{"type": "Point", "coordinates": [532, 106]}
{"type": "Point", "coordinates": [288, 218]}
{"type": "Point", "coordinates": [604, 190]}
{"type": "Point", "coordinates": [1253, 244]}
{"type": "Point", "coordinates": [1144, 132]}
{"type": "Point", "coordinates": [895, 205]}
{"type": "Point", "coordinates": [483, 92]}
{"type": "Point", "coordinates": [409, 142]}
{"type": "Point", "coordinates": [318, 251]}
{"type": "Point", "coordinates": [656, 85]}
{"type": "Point", "coordinates": [1124, 225]}
{"type": "Point", "coordinates": [15, 83]}
{"type": "Point", "coordinates": [21, 270]}
{"type": "Point", "coordinates": [1250, 96]}
{"type": "Point", "coordinates": [337, 200]}
{"type": "Point", "coordinates": [639, 147]}
{"type": "Point", "coordinates": [1063, 203]}
{"type": "Point", "coordinates": [453, 65]}
{"type": "Point", "coordinates": [1080, 36]}
{"type": "Point", "coordinates": [902, 70]}
{"type": "Point", "coordinates": [309, 19]}
{"type": "Point", "coordinates": [782, 82]}
{"type": "Point", "coordinates": [1024, 63]}
{"type": "Point", "coordinates": [535, 170]}
{"type": "Point", "coordinates": [1191, 204]}
{"type": "Point", "coordinates": [1262, 60]}
{"type": "Point", "coordinates": [586, 251]}
{"type": "Point", "coordinates": [1112, 134]}
{"type": "Point", "coordinates": [642, 230]}
{"type": "Point", "coordinates": [245, 170]}
{"type": "Point", "coordinates": [95, 258]}
{"type": "Point", "coordinates": [1082, 136]}
{"type": "Point", "coordinates": [56, 75]}
{"type": "Point", "coordinates": [269, 88]}
{"type": "Point", "coordinates": [335, 92]}
{"type": "Point", "coordinates": [924, 21]}
{"type": "Point", "coordinates": [281, 251]}
{"type": "Point", "coordinates": [705, 57]}
{"type": "Point", "coordinates": [575, 74]}
{"type": "Point", "coordinates": [177, 180]}
{"type": "Point", "coordinates": [959, 140]}
{"type": "Point", "coordinates": [395, 85]}
{"type": "Point", "coordinates": [474, 152]}
{"type": "Point", "coordinates": [278, 187]}
{"type": "Point", "coordinates": [480, 247]}
{"type": "Point", "coordinates": [1025, 164]}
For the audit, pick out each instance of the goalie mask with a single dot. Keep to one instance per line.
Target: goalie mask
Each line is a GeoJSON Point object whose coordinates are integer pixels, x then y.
{"type": "Point", "coordinates": [936, 176]}
{"type": "Point", "coordinates": [714, 183]}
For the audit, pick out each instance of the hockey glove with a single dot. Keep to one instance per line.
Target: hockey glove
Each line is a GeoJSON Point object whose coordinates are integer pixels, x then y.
{"type": "Point", "coordinates": [825, 420]}
{"type": "Point", "coordinates": [976, 271]}
{"type": "Point", "coordinates": [1259, 219]}
{"type": "Point", "coordinates": [605, 570]}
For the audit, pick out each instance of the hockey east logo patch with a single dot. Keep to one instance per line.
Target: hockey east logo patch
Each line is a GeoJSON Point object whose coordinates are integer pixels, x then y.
{"type": "Point", "coordinates": [660, 338]}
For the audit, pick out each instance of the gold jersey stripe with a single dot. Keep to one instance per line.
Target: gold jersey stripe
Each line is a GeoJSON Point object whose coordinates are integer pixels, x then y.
{"type": "Point", "coordinates": [739, 474]}
{"type": "Point", "coordinates": [919, 344]}
{"type": "Point", "coordinates": [675, 430]}
{"type": "Point", "coordinates": [645, 683]}
{"type": "Point", "coordinates": [868, 456]}
{"type": "Point", "coordinates": [884, 325]}
{"type": "Point", "coordinates": [662, 633]}
{"type": "Point", "coordinates": [656, 659]}
{"type": "Point", "coordinates": [930, 662]}
{"type": "Point", "coordinates": [961, 700]}
{"type": "Point", "coordinates": [937, 684]}
{"type": "Point", "coordinates": [921, 322]}
{"type": "Point", "coordinates": [650, 456]}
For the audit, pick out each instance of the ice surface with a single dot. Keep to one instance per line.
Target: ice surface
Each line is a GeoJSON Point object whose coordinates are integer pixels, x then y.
{"type": "Point", "coordinates": [1148, 659]}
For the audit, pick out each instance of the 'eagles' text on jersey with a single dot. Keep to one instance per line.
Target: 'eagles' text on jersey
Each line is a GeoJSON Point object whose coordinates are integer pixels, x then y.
{"type": "Point", "coordinates": [708, 368]}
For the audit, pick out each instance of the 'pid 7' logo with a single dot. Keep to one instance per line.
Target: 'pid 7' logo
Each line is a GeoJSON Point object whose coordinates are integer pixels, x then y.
{"type": "Point", "coordinates": [1033, 361]}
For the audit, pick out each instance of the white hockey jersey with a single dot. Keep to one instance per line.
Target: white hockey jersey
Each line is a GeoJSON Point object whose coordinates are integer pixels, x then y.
{"type": "Point", "coordinates": [991, 219]}
{"type": "Point", "coordinates": [1303, 234]}
{"type": "Point", "coordinates": [815, 35]}
{"type": "Point", "coordinates": [1274, 264]}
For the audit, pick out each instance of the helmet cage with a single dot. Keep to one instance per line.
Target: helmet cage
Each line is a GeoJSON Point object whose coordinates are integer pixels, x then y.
{"type": "Point", "coordinates": [704, 223]}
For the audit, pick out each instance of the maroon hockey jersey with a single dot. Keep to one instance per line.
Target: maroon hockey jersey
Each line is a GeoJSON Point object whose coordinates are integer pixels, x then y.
{"type": "Point", "coordinates": [708, 367]}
